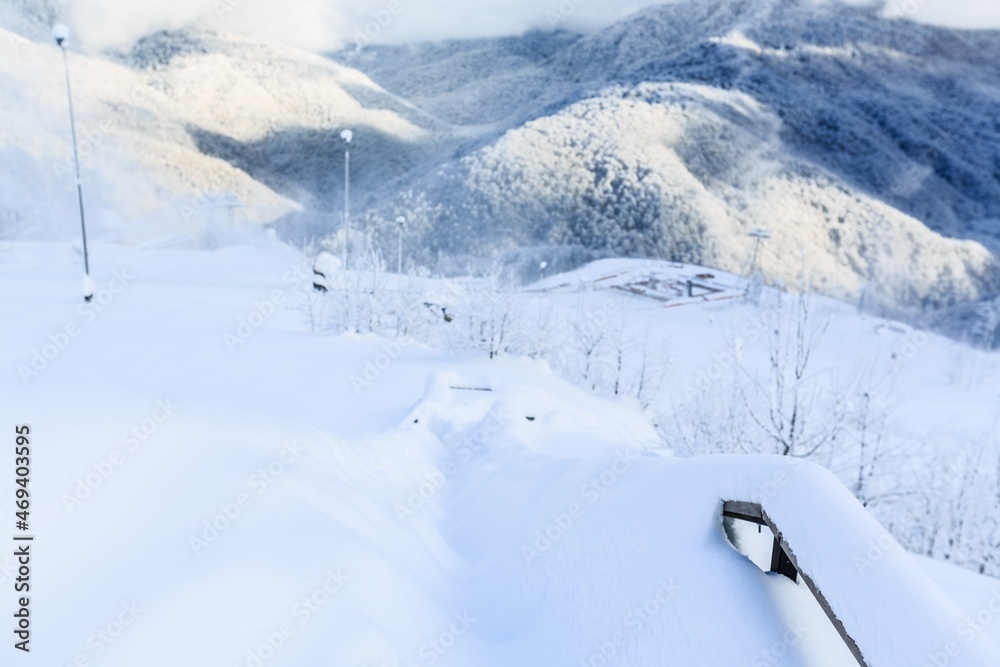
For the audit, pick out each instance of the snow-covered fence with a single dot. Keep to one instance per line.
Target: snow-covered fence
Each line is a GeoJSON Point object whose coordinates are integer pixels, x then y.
{"type": "Point", "coordinates": [783, 562]}
{"type": "Point", "coordinates": [885, 604]}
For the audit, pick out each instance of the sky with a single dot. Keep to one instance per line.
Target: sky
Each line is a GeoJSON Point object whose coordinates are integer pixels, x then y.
{"type": "Point", "coordinates": [327, 24]}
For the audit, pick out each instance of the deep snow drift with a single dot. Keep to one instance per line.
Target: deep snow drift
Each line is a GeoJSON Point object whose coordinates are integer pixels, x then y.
{"type": "Point", "coordinates": [212, 473]}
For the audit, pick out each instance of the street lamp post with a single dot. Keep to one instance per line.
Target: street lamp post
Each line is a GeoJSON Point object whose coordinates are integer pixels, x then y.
{"type": "Point", "coordinates": [758, 236]}
{"type": "Point", "coordinates": [347, 135]}
{"type": "Point", "coordinates": [61, 33]}
{"type": "Point", "coordinates": [399, 249]}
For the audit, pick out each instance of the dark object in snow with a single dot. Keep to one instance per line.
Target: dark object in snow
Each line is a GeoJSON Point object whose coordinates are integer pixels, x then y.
{"type": "Point", "coordinates": [319, 282]}
{"type": "Point", "coordinates": [703, 290]}
{"type": "Point", "coordinates": [783, 562]}
{"type": "Point", "coordinates": [444, 310]}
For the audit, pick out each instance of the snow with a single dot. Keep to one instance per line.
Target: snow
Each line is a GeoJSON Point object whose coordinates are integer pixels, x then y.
{"type": "Point", "coordinates": [868, 142]}
{"type": "Point", "coordinates": [150, 132]}
{"type": "Point", "coordinates": [740, 41]}
{"type": "Point", "coordinates": [455, 511]}
{"type": "Point", "coordinates": [976, 596]}
{"type": "Point", "coordinates": [844, 82]}
{"type": "Point", "coordinates": [648, 149]}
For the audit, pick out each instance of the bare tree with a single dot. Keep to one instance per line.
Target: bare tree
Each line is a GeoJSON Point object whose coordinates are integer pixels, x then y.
{"type": "Point", "coordinates": [987, 323]}
{"type": "Point", "coordinates": [876, 462]}
{"type": "Point", "coordinates": [491, 312]}
{"type": "Point", "coordinates": [587, 337]}
{"type": "Point", "coordinates": [782, 407]}
{"type": "Point", "coordinates": [654, 368]}
{"type": "Point", "coordinates": [991, 525]}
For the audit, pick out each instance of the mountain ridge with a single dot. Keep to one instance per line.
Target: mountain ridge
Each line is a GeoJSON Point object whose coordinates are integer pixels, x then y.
{"type": "Point", "coordinates": [868, 144]}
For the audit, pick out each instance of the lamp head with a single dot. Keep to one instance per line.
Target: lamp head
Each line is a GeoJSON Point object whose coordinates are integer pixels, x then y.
{"type": "Point", "coordinates": [60, 33]}
{"type": "Point", "coordinates": [347, 135]}
{"type": "Point", "coordinates": [401, 220]}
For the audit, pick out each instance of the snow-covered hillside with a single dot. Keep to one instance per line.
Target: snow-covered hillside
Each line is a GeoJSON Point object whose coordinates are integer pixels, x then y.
{"type": "Point", "coordinates": [241, 482]}
{"type": "Point", "coordinates": [871, 143]}
{"type": "Point", "coordinates": [671, 343]}
{"type": "Point", "coordinates": [673, 133]}
{"type": "Point", "coordinates": [144, 175]}
{"type": "Point", "coordinates": [158, 129]}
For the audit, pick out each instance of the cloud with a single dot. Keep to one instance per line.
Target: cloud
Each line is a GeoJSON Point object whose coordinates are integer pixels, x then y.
{"type": "Point", "coordinates": [326, 24]}
{"type": "Point", "coordinates": [308, 24]}
{"type": "Point", "coordinates": [956, 14]}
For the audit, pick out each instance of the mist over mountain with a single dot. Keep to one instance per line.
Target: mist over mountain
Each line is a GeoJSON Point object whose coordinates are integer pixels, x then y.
{"type": "Point", "coordinates": [869, 147]}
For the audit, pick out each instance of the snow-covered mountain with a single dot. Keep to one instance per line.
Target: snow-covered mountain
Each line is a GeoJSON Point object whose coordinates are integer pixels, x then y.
{"type": "Point", "coordinates": [869, 147]}
{"type": "Point", "coordinates": [155, 125]}
{"type": "Point", "coordinates": [673, 133]}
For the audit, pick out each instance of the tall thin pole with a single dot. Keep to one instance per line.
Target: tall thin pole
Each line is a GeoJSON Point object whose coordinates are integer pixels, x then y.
{"type": "Point", "coordinates": [87, 289]}
{"type": "Point", "coordinates": [347, 208]}
{"type": "Point", "coordinates": [399, 249]}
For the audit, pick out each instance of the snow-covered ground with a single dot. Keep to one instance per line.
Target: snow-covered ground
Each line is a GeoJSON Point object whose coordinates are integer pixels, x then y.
{"type": "Point", "coordinates": [221, 480]}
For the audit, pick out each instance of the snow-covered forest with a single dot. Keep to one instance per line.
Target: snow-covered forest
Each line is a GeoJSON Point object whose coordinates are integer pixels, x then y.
{"type": "Point", "coordinates": [668, 135]}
